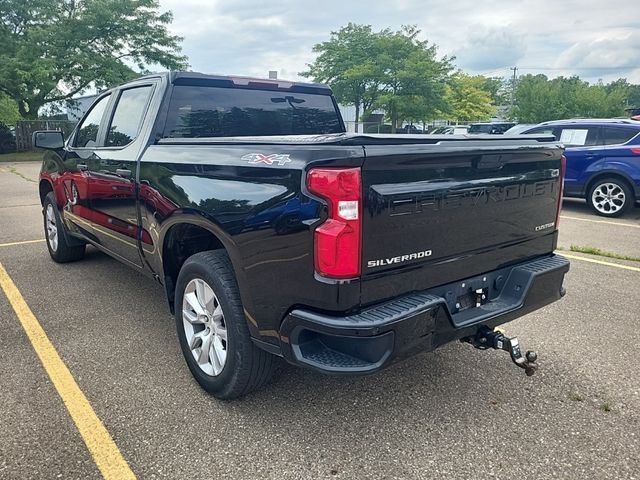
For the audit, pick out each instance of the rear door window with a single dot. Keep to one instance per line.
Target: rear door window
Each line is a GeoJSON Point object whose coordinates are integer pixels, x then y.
{"type": "Point", "coordinates": [128, 116]}
{"type": "Point", "coordinates": [203, 111]}
{"type": "Point", "coordinates": [579, 136]}
{"type": "Point", "coordinates": [618, 135]}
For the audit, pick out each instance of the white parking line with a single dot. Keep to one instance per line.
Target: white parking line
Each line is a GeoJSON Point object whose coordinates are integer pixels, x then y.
{"type": "Point", "coordinates": [599, 262]}
{"type": "Point", "coordinates": [24, 242]}
{"type": "Point", "coordinates": [608, 222]}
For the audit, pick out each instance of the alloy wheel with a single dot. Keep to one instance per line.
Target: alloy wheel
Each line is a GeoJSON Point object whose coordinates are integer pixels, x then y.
{"type": "Point", "coordinates": [608, 198]}
{"type": "Point", "coordinates": [52, 228]}
{"type": "Point", "coordinates": [204, 327]}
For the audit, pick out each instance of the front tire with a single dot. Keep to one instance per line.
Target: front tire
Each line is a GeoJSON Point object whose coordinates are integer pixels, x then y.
{"type": "Point", "coordinates": [212, 329]}
{"type": "Point", "coordinates": [60, 248]}
{"type": "Point", "coordinates": [610, 197]}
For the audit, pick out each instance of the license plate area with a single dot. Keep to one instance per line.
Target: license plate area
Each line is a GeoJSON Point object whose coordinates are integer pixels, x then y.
{"type": "Point", "coordinates": [464, 302]}
{"type": "Point", "coordinates": [472, 299]}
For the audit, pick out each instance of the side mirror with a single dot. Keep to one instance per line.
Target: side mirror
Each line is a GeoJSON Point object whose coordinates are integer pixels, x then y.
{"type": "Point", "coordinates": [48, 139]}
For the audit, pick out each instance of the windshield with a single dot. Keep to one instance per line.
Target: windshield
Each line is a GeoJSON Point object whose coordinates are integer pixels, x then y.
{"type": "Point", "coordinates": [518, 129]}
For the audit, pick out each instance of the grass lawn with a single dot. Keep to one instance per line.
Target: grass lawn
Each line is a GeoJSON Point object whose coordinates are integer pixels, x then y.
{"type": "Point", "coordinates": [21, 157]}
{"type": "Point", "coordinates": [597, 251]}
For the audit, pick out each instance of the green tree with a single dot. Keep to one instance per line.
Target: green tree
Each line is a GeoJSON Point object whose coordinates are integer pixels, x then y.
{"type": "Point", "coordinates": [497, 88]}
{"type": "Point", "coordinates": [468, 98]}
{"type": "Point", "coordinates": [347, 62]}
{"type": "Point", "coordinates": [9, 114]}
{"type": "Point", "coordinates": [633, 96]}
{"type": "Point", "coordinates": [539, 99]}
{"type": "Point", "coordinates": [390, 70]}
{"type": "Point", "coordinates": [413, 78]}
{"type": "Point", "coordinates": [630, 91]}
{"type": "Point", "coordinates": [594, 101]}
{"type": "Point", "coordinates": [54, 49]}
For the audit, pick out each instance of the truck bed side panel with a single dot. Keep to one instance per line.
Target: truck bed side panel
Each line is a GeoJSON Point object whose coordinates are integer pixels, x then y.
{"type": "Point", "coordinates": [257, 208]}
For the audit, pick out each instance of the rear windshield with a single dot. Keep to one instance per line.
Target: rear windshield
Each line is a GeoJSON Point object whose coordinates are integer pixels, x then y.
{"type": "Point", "coordinates": [236, 112]}
{"type": "Point", "coordinates": [480, 129]}
{"type": "Point", "coordinates": [495, 128]}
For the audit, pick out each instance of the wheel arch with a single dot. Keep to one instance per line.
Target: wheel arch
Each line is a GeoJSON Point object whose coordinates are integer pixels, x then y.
{"type": "Point", "coordinates": [184, 238]}
{"type": "Point", "coordinates": [44, 188]}
{"type": "Point", "coordinates": [609, 174]}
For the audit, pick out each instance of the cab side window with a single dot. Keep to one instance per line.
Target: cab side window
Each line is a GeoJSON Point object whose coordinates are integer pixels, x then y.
{"type": "Point", "coordinates": [128, 116]}
{"type": "Point", "coordinates": [618, 135]}
{"type": "Point", "coordinates": [87, 135]}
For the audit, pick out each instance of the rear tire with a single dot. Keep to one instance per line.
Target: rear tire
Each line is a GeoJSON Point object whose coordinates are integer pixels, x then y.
{"type": "Point", "coordinates": [610, 197]}
{"type": "Point", "coordinates": [61, 249]}
{"type": "Point", "coordinates": [212, 329]}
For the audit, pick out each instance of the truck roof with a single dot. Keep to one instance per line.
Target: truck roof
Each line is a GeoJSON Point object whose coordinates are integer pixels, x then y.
{"type": "Point", "coordinates": [198, 79]}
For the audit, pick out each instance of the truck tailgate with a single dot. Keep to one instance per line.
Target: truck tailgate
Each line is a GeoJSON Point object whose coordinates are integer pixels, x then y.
{"type": "Point", "coordinates": [435, 214]}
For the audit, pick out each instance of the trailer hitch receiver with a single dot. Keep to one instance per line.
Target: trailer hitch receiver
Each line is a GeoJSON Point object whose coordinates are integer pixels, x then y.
{"type": "Point", "coordinates": [486, 338]}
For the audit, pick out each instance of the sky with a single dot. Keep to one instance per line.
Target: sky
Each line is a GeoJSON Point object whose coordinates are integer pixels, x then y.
{"type": "Point", "coordinates": [592, 39]}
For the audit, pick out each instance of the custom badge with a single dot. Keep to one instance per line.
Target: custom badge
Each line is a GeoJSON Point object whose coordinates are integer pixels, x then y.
{"type": "Point", "coordinates": [277, 158]}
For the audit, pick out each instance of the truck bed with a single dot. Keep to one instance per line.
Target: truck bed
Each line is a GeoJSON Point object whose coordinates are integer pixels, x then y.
{"type": "Point", "coordinates": [357, 139]}
{"type": "Point", "coordinates": [475, 203]}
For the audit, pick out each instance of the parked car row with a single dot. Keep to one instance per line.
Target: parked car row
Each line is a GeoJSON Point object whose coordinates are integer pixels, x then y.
{"type": "Point", "coordinates": [451, 130]}
{"type": "Point", "coordinates": [603, 161]}
{"type": "Point", "coordinates": [491, 128]}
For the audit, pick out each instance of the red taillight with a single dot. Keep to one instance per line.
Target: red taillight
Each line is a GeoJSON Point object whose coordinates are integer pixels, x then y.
{"type": "Point", "coordinates": [635, 151]}
{"type": "Point", "coordinates": [338, 239]}
{"type": "Point", "coordinates": [563, 169]}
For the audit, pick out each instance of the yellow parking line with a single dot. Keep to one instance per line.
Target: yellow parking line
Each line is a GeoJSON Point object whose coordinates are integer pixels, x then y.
{"type": "Point", "coordinates": [103, 449]}
{"type": "Point", "coordinates": [24, 242]}
{"type": "Point", "coordinates": [600, 262]}
{"type": "Point", "coordinates": [608, 222]}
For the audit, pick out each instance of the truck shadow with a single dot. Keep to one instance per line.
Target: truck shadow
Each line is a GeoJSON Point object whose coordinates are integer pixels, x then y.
{"type": "Point", "coordinates": [452, 375]}
{"type": "Point", "coordinates": [444, 383]}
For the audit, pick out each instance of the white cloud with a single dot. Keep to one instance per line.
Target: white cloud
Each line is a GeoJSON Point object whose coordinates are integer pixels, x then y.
{"type": "Point", "coordinates": [616, 49]}
{"type": "Point", "coordinates": [250, 37]}
{"type": "Point", "coordinates": [491, 48]}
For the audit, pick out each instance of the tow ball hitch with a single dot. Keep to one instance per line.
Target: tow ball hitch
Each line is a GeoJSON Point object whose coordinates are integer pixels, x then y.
{"type": "Point", "coordinates": [486, 338]}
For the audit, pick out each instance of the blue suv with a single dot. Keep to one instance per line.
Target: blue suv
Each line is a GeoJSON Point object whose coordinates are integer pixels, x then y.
{"type": "Point", "coordinates": [603, 161]}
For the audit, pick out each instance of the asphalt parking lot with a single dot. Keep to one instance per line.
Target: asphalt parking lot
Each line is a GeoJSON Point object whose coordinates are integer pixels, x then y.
{"type": "Point", "coordinates": [453, 413]}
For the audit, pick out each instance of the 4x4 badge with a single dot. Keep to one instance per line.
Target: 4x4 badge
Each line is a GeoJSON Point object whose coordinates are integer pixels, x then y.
{"type": "Point", "coordinates": [278, 158]}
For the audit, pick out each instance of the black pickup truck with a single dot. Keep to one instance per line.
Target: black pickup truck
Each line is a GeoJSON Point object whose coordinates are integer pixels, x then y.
{"type": "Point", "coordinates": [277, 234]}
